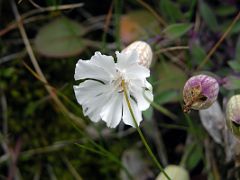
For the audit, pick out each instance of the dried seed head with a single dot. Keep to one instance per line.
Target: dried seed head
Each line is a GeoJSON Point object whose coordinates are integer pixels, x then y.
{"type": "Point", "coordinates": [233, 115]}
{"type": "Point", "coordinates": [144, 52]}
{"type": "Point", "coordinates": [200, 92]}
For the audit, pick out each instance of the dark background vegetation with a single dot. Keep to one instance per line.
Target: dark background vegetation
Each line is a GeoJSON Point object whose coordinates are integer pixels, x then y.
{"type": "Point", "coordinates": [43, 133]}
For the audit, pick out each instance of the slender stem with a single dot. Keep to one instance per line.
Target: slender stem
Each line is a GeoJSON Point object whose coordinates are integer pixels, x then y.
{"type": "Point", "coordinates": [186, 155]}
{"type": "Point", "coordinates": [141, 134]}
{"type": "Point", "coordinates": [161, 109]}
{"type": "Point", "coordinates": [164, 111]}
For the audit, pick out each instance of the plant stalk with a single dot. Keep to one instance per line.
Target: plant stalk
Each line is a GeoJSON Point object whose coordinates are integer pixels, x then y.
{"type": "Point", "coordinates": [141, 134]}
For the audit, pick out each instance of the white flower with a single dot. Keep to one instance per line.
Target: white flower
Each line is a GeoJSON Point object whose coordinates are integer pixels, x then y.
{"type": "Point", "coordinates": [101, 94]}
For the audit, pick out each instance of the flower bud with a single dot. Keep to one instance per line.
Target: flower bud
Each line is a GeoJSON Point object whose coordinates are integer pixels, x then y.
{"type": "Point", "coordinates": [144, 52]}
{"type": "Point", "coordinates": [200, 92]}
{"type": "Point", "coordinates": [233, 115]}
{"type": "Point", "coordinates": [175, 173]}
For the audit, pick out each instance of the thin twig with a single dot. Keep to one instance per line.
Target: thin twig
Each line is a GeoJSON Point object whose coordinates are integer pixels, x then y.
{"type": "Point", "coordinates": [171, 49]}
{"type": "Point", "coordinates": [39, 72]}
{"type": "Point", "coordinates": [117, 14]}
{"type": "Point", "coordinates": [51, 8]}
{"type": "Point", "coordinates": [4, 114]}
{"type": "Point", "coordinates": [36, 11]}
{"type": "Point", "coordinates": [71, 168]}
{"type": "Point", "coordinates": [106, 26]}
{"type": "Point", "coordinates": [197, 22]}
{"type": "Point", "coordinates": [12, 56]}
{"type": "Point", "coordinates": [108, 19]}
{"type": "Point", "coordinates": [159, 18]}
{"type": "Point", "coordinates": [214, 48]}
{"type": "Point", "coordinates": [177, 61]}
{"type": "Point", "coordinates": [35, 4]}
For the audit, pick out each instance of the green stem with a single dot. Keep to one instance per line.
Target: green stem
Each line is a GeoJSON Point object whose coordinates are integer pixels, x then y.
{"type": "Point", "coordinates": [186, 155]}
{"type": "Point", "coordinates": [161, 109]}
{"type": "Point", "coordinates": [100, 150]}
{"type": "Point", "coordinates": [141, 134]}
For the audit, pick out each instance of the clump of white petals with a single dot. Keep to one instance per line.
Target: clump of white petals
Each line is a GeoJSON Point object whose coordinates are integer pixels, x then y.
{"type": "Point", "coordinates": [101, 94]}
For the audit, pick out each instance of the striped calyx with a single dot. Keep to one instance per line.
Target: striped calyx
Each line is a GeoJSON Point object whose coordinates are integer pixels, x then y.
{"type": "Point", "coordinates": [200, 92]}
{"type": "Point", "coordinates": [233, 115]}
{"type": "Point", "coordinates": [144, 51]}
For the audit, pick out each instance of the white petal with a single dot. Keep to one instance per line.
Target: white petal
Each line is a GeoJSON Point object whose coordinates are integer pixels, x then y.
{"type": "Point", "coordinates": [148, 85]}
{"type": "Point", "coordinates": [127, 118]}
{"type": "Point", "coordinates": [92, 95]}
{"type": "Point", "coordinates": [126, 59]}
{"type": "Point", "coordinates": [89, 89]}
{"type": "Point", "coordinates": [137, 71]}
{"type": "Point", "coordinates": [149, 96]}
{"type": "Point", "coordinates": [142, 92]}
{"type": "Point", "coordinates": [112, 111]}
{"type": "Point", "coordinates": [86, 69]}
{"type": "Point", "coordinates": [105, 62]}
{"type": "Point", "coordinates": [94, 108]}
{"type": "Point", "coordinates": [142, 102]}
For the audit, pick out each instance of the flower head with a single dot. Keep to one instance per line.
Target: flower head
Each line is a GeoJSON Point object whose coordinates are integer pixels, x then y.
{"type": "Point", "coordinates": [200, 92]}
{"type": "Point", "coordinates": [101, 92]}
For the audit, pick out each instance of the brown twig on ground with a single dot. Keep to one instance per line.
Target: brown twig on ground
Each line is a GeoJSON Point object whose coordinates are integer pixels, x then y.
{"type": "Point", "coordinates": [177, 61]}
{"type": "Point", "coordinates": [39, 72]}
{"type": "Point", "coordinates": [214, 48]}
{"type": "Point", "coordinates": [108, 19]}
{"type": "Point", "coordinates": [175, 48]}
{"type": "Point", "coordinates": [24, 17]}
{"type": "Point", "coordinates": [158, 17]}
{"type": "Point", "coordinates": [12, 56]}
{"type": "Point", "coordinates": [197, 22]}
{"type": "Point", "coordinates": [51, 8]}
{"type": "Point", "coordinates": [35, 4]}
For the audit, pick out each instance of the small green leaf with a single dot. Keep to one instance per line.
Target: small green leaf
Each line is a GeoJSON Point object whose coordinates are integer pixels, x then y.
{"type": "Point", "coordinates": [198, 53]}
{"type": "Point", "coordinates": [235, 65]}
{"type": "Point", "coordinates": [194, 157]}
{"type": "Point", "coordinates": [176, 30]}
{"type": "Point", "coordinates": [166, 96]}
{"type": "Point", "coordinates": [60, 38]}
{"type": "Point", "coordinates": [237, 51]}
{"type": "Point", "coordinates": [169, 84]}
{"type": "Point", "coordinates": [225, 10]}
{"type": "Point", "coordinates": [236, 28]}
{"type": "Point", "coordinates": [208, 16]}
{"type": "Point", "coordinates": [170, 10]}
